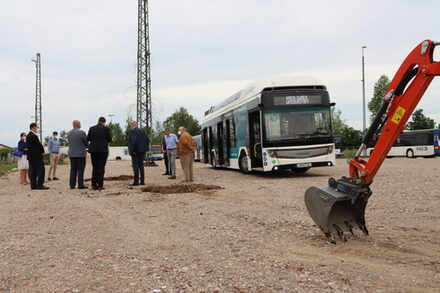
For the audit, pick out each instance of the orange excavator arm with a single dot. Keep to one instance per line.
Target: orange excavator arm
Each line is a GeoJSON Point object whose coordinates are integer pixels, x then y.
{"type": "Point", "coordinates": [340, 206]}
{"type": "Point", "coordinates": [403, 94]}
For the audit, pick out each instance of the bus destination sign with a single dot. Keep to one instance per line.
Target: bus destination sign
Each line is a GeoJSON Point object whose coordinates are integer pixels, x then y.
{"type": "Point", "coordinates": [297, 100]}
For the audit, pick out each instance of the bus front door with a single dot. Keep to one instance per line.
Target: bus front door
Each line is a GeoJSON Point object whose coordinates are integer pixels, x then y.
{"type": "Point", "coordinates": [255, 140]}
{"type": "Point", "coordinates": [220, 142]}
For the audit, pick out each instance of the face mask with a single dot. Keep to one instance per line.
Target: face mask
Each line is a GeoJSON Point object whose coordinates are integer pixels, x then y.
{"type": "Point", "coordinates": [56, 137]}
{"type": "Point", "coordinates": [179, 132]}
{"type": "Point", "coordinates": [23, 138]}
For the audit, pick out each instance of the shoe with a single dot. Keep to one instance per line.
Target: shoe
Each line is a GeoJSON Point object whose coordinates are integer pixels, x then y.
{"type": "Point", "coordinates": [192, 180]}
{"type": "Point", "coordinates": [82, 187]}
{"type": "Point", "coordinates": [166, 173]}
{"type": "Point", "coordinates": [26, 183]}
{"type": "Point", "coordinates": [72, 187]}
{"type": "Point", "coordinates": [43, 187]}
{"type": "Point", "coordinates": [49, 179]}
{"type": "Point", "coordinates": [142, 183]}
{"type": "Point", "coordinates": [172, 177]}
{"type": "Point", "coordinates": [55, 178]}
{"type": "Point", "coordinates": [133, 184]}
{"type": "Point", "coordinates": [100, 188]}
{"type": "Point", "coordinates": [94, 187]}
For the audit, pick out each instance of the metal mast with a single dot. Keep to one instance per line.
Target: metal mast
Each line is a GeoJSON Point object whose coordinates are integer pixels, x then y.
{"type": "Point", "coordinates": [143, 110]}
{"type": "Point", "coordinates": [38, 114]}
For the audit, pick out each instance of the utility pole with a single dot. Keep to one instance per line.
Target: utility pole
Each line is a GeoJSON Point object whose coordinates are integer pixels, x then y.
{"type": "Point", "coordinates": [38, 112]}
{"type": "Point", "coordinates": [111, 117]}
{"type": "Point", "coordinates": [143, 109]}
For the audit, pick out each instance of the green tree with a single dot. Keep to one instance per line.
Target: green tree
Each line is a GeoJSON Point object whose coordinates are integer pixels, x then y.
{"type": "Point", "coordinates": [62, 136]}
{"type": "Point", "coordinates": [380, 88]}
{"type": "Point", "coordinates": [337, 123]}
{"type": "Point", "coordinates": [118, 136]}
{"type": "Point", "coordinates": [181, 117]}
{"type": "Point", "coordinates": [420, 121]}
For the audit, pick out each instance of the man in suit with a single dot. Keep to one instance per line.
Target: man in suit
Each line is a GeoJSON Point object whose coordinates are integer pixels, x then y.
{"type": "Point", "coordinates": [77, 154]}
{"type": "Point", "coordinates": [138, 145]}
{"type": "Point", "coordinates": [35, 157]}
{"type": "Point", "coordinates": [99, 137]}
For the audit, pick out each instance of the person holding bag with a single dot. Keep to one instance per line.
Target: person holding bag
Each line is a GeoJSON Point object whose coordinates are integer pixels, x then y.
{"type": "Point", "coordinates": [23, 164]}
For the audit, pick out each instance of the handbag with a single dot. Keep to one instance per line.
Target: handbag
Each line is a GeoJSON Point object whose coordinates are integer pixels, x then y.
{"type": "Point", "coordinates": [17, 153]}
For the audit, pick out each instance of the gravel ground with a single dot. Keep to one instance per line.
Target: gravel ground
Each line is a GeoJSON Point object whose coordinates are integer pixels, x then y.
{"type": "Point", "coordinates": [253, 235]}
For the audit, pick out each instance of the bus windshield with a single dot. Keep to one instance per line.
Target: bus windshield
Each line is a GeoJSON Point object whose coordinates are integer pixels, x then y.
{"type": "Point", "coordinates": [300, 123]}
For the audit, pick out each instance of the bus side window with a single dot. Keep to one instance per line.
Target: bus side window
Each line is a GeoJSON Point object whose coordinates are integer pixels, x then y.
{"type": "Point", "coordinates": [232, 132]}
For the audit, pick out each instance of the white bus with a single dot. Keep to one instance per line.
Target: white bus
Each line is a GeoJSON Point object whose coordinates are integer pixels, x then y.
{"type": "Point", "coordinates": [274, 123]}
{"type": "Point", "coordinates": [415, 143]}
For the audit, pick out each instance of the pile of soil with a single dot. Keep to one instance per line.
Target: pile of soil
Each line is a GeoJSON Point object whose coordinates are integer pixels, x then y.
{"type": "Point", "coordinates": [179, 188]}
{"type": "Point", "coordinates": [115, 178]}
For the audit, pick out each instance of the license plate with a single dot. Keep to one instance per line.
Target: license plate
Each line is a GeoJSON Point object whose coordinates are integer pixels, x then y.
{"type": "Point", "coordinates": [303, 165]}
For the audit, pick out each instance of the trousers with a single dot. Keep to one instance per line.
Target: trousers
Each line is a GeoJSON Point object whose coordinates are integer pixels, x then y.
{"type": "Point", "coordinates": [53, 164]}
{"type": "Point", "coordinates": [77, 166]}
{"type": "Point", "coordinates": [137, 162]}
{"type": "Point", "coordinates": [186, 161]}
{"type": "Point", "coordinates": [172, 161]}
{"type": "Point", "coordinates": [36, 173]}
{"type": "Point", "coordinates": [98, 163]}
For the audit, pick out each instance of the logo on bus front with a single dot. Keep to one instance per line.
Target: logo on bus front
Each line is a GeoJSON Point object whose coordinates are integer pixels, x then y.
{"type": "Point", "coordinates": [297, 100]}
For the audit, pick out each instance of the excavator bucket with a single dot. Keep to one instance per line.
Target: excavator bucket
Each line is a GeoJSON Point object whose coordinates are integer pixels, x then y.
{"type": "Point", "coordinates": [335, 212]}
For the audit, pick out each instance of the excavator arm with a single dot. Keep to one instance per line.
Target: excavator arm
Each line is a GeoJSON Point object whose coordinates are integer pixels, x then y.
{"type": "Point", "coordinates": [340, 206]}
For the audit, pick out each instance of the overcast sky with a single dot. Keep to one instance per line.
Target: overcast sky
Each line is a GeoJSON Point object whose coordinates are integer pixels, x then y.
{"type": "Point", "coordinates": [202, 52]}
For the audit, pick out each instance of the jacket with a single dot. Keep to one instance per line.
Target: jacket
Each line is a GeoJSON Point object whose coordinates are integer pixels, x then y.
{"type": "Point", "coordinates": [35, 148]}
{"type": "Point", "coordinates": [186, 144]}
{"type": "Point", "coordinates": [99, 137]}
{"type": "Point", "coordinates": [77, 139]}
{"type": "Point", "coordinates": [138, 141]}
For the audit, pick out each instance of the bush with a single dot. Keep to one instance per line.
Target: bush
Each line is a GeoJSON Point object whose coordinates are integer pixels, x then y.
{"type": "Point", "coordinates": [350, 153]}
{"type": "Point", "coordinates": [46, 159]}
{"type": "Point", "coordinates": [4, 154]}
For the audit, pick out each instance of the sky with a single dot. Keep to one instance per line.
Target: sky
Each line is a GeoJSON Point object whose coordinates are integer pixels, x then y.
{"type": "Point", "coordinates": [202, 51]}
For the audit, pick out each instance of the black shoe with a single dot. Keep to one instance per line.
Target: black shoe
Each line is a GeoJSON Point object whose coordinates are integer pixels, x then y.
{"type": "Point", "coordinates": [55, 178]}
{"type": "Point", "coordinates": [72, 187]}
{"type": "Point", "coordinates": [49, 179]}
{"type": "Point", "coordinates": [142, 183]}
{"type": "Point", "coordinates": [133, 184]}
{"type": "Point", "coordinates": [43, 187]}
{"type": "Point", "coordinates": [172, 177]}
{"type": "Point", "coordinates": [82, 187]}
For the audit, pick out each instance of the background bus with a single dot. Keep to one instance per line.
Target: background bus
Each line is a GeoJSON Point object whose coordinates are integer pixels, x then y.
{"type": "Point", "coordinates": [277, 123]}
{"type": "Point", "coordinates": [198, 155]}
{"type": "Point", "coordinates": [416, 143]}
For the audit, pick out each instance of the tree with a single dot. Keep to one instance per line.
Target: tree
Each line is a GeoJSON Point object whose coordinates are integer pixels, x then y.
{"type": "Point", "coordinates": [62, 136]}
{"type": "Point", "coordinates": [337, 123]}
{"type": "Point", "coordinates": [420, 121]}
{"type": "Point", "coordinates": [380, 89]}
{"type": "Point", "coordinates": [118, 136]}
{"type": "Point", "coordinates": [181, 117]}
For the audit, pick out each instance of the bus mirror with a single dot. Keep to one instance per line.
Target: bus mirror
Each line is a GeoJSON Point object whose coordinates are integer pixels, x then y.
{"type": "Point", "coordinates": [332, 104]}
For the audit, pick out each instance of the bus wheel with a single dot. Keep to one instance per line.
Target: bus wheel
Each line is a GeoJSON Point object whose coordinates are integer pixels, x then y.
{"type": "Point", "coordinates": [243, 163]}
{"type": "Point", "coordinates": [300, 170]}
{"type": "Point", "coordinates": [410, 153]}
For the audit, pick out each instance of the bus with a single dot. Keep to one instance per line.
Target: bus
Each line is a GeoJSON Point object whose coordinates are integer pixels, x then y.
{"type": "Point", "coordinates": [415, 143]}
{"type": "Point", "coordinates": [274, 123]}
{"type": "Point", "coordinates": [198, 154]}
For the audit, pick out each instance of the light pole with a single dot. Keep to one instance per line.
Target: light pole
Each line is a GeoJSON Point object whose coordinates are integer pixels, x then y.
{"type": "Point", "coordinates": [363, 92]}
{"type": "Point", "coordinates": [111, 117]}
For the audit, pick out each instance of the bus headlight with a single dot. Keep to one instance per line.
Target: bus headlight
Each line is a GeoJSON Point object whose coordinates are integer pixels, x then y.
{"type": "Point", "coordinates": [330, 149]}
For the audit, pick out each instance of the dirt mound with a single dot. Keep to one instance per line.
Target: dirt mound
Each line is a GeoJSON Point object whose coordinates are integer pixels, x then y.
{"type": "Point", "coordinates": [115, 178]}
{"type": "Point", "coordinates": [179, 188]}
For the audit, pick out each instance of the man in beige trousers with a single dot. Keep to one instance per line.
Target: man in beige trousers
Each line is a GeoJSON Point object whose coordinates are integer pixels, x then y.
{"type": "Point", "coordinates": [186, 148]}
{"type": "Point", "coordinates": [53, 148]}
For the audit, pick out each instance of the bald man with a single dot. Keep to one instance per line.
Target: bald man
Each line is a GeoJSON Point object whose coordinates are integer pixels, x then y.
{"type": "Point", "coordinates": [77, 154]}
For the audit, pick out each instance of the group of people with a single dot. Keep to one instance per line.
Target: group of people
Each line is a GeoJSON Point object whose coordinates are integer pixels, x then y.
{"type": "Point", "coordinates": [96, 142]}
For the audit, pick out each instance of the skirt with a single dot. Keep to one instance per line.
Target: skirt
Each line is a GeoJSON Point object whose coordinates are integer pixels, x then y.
{"type": "Point", "coordinates": [23, 163]}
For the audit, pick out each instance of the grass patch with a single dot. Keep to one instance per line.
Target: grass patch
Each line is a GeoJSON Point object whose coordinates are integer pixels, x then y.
{"type": "Point", "coordinates": [350, 153]}
{"type": "Point", "coordinates": [4, 167]}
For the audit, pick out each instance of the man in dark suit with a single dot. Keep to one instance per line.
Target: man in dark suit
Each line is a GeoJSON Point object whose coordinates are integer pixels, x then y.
{"type": "Point", "coordinates": [35, 157]}
{"type": "Point", "coordinates": [138, 145]}
{"type": "Point", "coordinates": [99, 137]}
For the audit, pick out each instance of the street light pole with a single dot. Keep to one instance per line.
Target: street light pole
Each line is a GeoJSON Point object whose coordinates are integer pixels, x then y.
{"type": "Point", "coordinates": [363, 92]}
